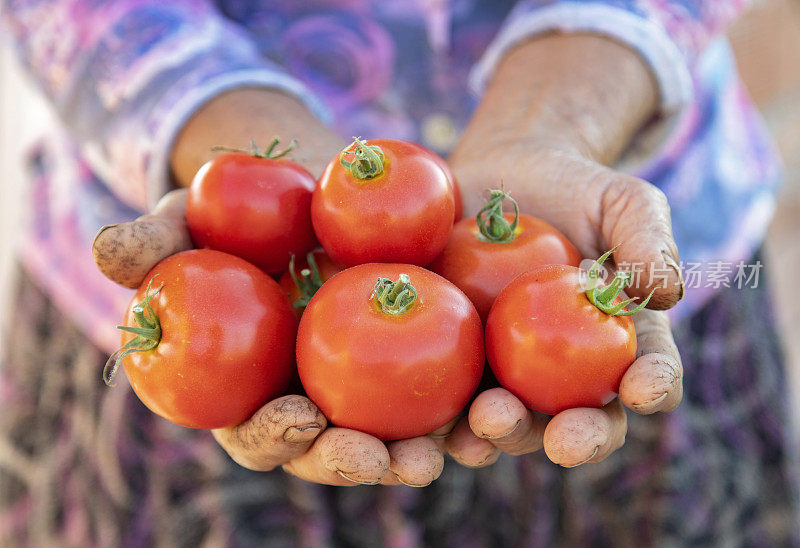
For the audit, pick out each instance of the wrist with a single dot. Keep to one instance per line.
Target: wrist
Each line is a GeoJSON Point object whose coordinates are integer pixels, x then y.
{"type": "Point", "coordinates": [580, 93]}
{"type": "Point", "coordinates": [237, 117]}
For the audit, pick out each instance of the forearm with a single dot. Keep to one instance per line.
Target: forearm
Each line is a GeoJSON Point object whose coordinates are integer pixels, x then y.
{"type": "Point", "coordinates": [236, 118]}
{"type": "Point", "coordinates": [582, 93]}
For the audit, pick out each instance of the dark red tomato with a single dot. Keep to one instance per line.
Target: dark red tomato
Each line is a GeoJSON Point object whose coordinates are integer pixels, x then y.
{"type": "Point", "coordinates": [225, 343]}
{"type": "Point", "coordinates": [310, 280]}
{"type": "Point", "coordinates": [554, 349]}
{"type": "Point", "coordinates": [255, 207]}
{"type": "Point", "coordinates": [383, 201]}
{"type": "Point", "coordinates": [481, 266]}
{"type": "Point", "coordinates": [386, 359]}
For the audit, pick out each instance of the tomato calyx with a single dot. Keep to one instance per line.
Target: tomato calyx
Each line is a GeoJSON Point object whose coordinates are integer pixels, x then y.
{"type": "Point", "coordinates": [395, 298]}
{"type": "Point", "coordinates": [367, 159]}
{"type": "Point", "coordinates": [492, 223]}
{"type": "Point", "coordinates": [271, 152]}
{"type": "Point", "coordinates": [307, 283]}
{"type": "Point", "coordinates": [148, 333]}
{"type": "Point", "coordinates": [603, 297]}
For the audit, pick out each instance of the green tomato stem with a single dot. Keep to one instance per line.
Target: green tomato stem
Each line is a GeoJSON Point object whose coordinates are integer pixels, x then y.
{"type": "Point", "coordinates": [395, 298]}
{"type": "Point", "coordinates": [492, 223]}
{"type": "Point", "coordinates": [307, 283]}
{"type": "Point", "coordinates": [603, 297]}
{"type": "Point", "coordinates": [148, 333]}
{"type": "Point", "coordinates": [367, 159]}
{"type": "Point", "coordinates": [271, 153]}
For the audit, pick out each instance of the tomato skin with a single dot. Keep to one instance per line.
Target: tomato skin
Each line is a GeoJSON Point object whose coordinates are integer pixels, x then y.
{"type": "Point", "coordinates": [327, 268]}
{"type": "Point", "coordinates": [394, 377]}
{"type": "Point", "coordinates": [457, 201]}
{"type": "Point", "coordinates": [553, 349]}
{"type": "Point", "coordinates": [227, 343]}
{"type": "Point", "coordinates": [256, 208]}
{"type": "Point", "coordinates": [404, 215]}
{"type": "Point", "coordinates": [481, 269]}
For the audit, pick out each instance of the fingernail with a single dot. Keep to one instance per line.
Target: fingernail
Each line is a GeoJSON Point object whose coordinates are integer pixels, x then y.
{"type": "Point", "coordinates": [485, 461]}
{"type": "Point", "coordinates": [102, 229]}
{"type": "Point", "coordinates": [674, 266]}
{"type": "Point", "coordinates": [361, 482]}
{"type": "Point", "coordinates": [651, 403]}
{"type": "Point", "coordinates": [301, 434]}
{"type": "Point", "coordinates": [491, 458]}
{"type": "Point", "coordinates": [484, 436]}
{"type": "Point", "coordinates": [596, 449]}
{"type": "Point", "coordinates": [401, 480]}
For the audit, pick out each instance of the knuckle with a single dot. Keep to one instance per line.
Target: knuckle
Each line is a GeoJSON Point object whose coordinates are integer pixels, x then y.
{"type": "Point", "coordinates": [647, 193]}
{"type": "Point", "coordinates": [244, 437]}
{"type": "Point", "coordinates": [627, 195]}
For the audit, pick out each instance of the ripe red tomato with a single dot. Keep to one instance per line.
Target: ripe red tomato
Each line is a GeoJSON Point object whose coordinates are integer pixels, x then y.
{"type": "Point", "coordinates": [255, 206]}
{"type": "Point", "coordinates": [396, 374]}
{"type": "Point", "coordinates": [310, 278]}
{"type": "Point", "coordinates": [224, 344]}
{"type": "Point", "coordinates": [554, 349]}
{"type": "Point", "coordinates": [383, 201]}
{"type": "Point", "coordinates": [481, 263]}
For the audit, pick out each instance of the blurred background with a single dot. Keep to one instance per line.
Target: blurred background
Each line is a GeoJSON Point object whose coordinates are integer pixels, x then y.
{"type": "Point", "coordinates": [767, 46]}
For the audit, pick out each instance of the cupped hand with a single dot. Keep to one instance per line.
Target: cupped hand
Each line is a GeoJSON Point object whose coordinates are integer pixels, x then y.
{"type": "Point", "coordinates": [597, 209]}
{"type": "Point", "coordinates": [557, 111]}
{"type": "Point", "coordinates": [290, 431]}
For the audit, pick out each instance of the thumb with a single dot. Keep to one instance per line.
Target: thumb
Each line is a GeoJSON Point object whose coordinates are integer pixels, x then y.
{"type": "Point", "coordinates": [126, 252]}
{"type": "Point", "coordinates": [635, 216]}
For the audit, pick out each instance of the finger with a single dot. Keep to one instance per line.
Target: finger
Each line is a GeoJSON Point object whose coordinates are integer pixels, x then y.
{"type": "Point", "coordinates": [444, 431]}
{"type": "Point", "coordinates": [172, 204]}
{"type": "Point", "coordinates": [619, 428]}
{"type": "Point", "coordinates": [415, 462]}
{"type": "Point", "coordinates": [581, 435]}
{"type": "Point", "coordinates": [440, 434]}
{"type": "Point", "coordinates": [498, 416]}
{"type": "Point", "coordinates": [342, 457]}
{"type": "Point", "coordinates": [468, 449]}
{"type": "Point", "coordinates": [636, 216]}
{"type": "Point", "coordinates": [278, 432]}
{"type": "Point", "coordinates": [126, 252]}
{"type": "Point", "coordinates": [655, 380]}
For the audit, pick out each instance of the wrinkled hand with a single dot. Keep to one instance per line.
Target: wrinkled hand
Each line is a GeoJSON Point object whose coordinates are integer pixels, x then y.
{"type": "Point", "coordinates": [558, 108]}
{"type": "Point", "coordinates": [290, 431]}
{"type": "Point", "coordinates": [596, 208]}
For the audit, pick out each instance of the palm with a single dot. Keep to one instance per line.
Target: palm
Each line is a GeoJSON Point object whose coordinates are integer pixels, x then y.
{"type": "Point", "coordinates": [597, 209]}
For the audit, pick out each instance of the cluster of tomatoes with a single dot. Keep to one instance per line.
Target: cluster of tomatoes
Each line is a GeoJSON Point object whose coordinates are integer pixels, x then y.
{"type": "Point", "coordinates": [390, 322]}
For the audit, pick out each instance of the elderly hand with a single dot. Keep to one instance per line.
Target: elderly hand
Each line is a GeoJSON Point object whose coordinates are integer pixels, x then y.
{"type": "Point", "coordinates": [557, 109]}
{"type": "Point", "coordinates": [288, 432]}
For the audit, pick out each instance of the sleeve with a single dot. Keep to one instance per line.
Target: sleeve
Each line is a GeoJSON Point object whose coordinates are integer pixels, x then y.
{"type": "Point", "coordinates": [669, 34]}
{"type": "Point", "coordinates": [125, 75]}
